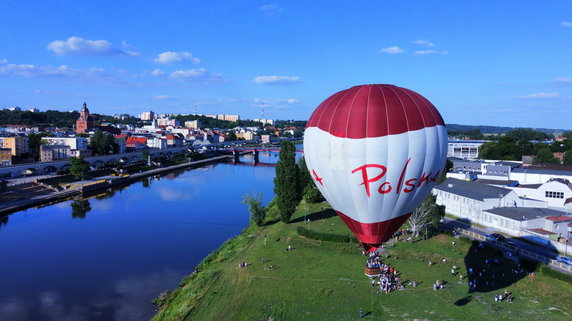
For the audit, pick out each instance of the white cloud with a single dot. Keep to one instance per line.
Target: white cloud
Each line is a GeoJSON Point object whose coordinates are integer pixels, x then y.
{"type": "Point", "coordinates": [430, 52]}
{"type": "Point", "coordinates": [566, 24]}
{"type": "Point", "coordinates": [30, 71]}
{"type": "Point", "coordinates": [77, 46]}
{"type": "Point", "coordinates": [276, 80]}
{"type": "Point", "coordinates": [3, 61]}
{"type": "Point", "coordinates": [425, 43]}
{"type": "Point", "coordinates": [270, 9]}
{"type": "Point", "coordinates": [392, 50]}
{"type": "Point", "coordinates": [199, 75]}
{"type": "Point", "coordinates": [274, 103]}
{"type": "Point", "coordinates": [157, 72]}
{"type": "Point", "coordinates": [563, 80]}
{"type": "Point", "coordinates": [541, 95]}
{"type": "Point", "coordinates": [162, 97]}
{"type": "Point", "coordinates": [169, 57]}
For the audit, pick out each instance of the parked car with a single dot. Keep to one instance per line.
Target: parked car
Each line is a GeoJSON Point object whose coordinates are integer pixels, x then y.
{"type": "Point", "coordinates": [564, 259]}
{"type": "Point", "coordinates": [495, 237]}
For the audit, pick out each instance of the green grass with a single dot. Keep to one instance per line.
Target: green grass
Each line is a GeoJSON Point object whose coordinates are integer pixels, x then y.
{"type": "Point", "coordinates": [320, 280]}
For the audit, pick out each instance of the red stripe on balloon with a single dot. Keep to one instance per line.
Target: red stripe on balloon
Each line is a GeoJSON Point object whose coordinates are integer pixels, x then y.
{"type": "Point", "coordinates": [371, 235]}
{"type": "Point", "coordinates": [374, 111]}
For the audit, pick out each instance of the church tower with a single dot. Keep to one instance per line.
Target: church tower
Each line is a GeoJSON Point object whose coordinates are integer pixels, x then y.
{"type": "Point", "coordinates": [85, 121]}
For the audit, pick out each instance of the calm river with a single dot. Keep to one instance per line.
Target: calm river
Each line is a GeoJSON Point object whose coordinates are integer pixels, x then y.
{"type": "Point", "coordinates": [106, 257]}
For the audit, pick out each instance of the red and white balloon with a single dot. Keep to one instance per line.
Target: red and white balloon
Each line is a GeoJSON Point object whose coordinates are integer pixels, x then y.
{"type": "Point", "coordinates": [375, 152]}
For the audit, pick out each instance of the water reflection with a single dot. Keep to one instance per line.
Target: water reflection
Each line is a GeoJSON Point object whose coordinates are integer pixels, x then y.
{"type": "Point", "coordinates": [79, 207]}
{"type": "Point", "coordinates": [111, 266]}
{"type": "Point", "coordinates": [3, 220]}
{"type": "Point", "coordinates": [128, 301]}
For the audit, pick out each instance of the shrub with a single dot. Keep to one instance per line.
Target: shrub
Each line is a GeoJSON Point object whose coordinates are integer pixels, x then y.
{"type": "Point", "coordinates": [546, 270]}
{"type": "Point", "coordinates": [312, 194]}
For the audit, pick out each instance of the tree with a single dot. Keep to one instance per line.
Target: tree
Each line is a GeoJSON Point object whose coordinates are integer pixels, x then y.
{"type": "Point", "coordinates": [567, 157]}
{"type": "Point", "coordinates": [255, 207]}
{"type": "Point", "coordinates": [545, 156]}
{"type": "Point", "coordinates": [286, 182]}
{"type": "Point", "coordinates": [305, 178]}
{"type": "Point", "coordinates": [103, 143]}
{"type": "Point", "coordinates": [420, 218]}
{"type": "Point", "coordinates": [231, 136]}
{"type": "Point", "coordinates": [145, 156]}
{"type": "Point", "coordinates": [79, 167]}
{"type": "Point", "coordinates": [35, 141]}
{"type": "Point", "coordinates": [312, 194]}
{"type": "Point", "coordinates": [527, 134]}
{"type": "Point", "coordinates": [447, 168]}
{"type": "Point", "coordinates": [427, 213]}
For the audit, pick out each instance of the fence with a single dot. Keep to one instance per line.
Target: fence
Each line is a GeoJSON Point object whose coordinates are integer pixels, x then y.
{"type": "Point", "coordinates": [523, 252]}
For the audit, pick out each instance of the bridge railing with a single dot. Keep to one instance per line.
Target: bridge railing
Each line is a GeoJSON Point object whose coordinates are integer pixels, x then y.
{"type": "Point", "coordinates": [522, 252]}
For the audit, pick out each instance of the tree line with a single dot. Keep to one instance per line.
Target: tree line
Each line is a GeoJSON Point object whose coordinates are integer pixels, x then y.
{"type": "Point", "coordinates": [524, 142]}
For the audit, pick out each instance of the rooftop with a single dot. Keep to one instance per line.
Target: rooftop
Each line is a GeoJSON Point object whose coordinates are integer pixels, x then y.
{"type": "Point", "coordinates": [471, 190]}
{"type": "Point", "coordinates": [554, 169]}
{"type": "Point", "coordinates": [541, 231]}
{"type": "Point", "coordinates": [560, 218]}
{"type": "Point", "coordinates": [524, 213]}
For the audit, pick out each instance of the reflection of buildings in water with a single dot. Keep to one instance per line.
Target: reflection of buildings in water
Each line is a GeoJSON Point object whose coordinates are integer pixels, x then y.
{"type": "Point", "coordinates": [80, 206]}
{"type": "Point", "coordinates": [130, 301]}
{"type": "Point", "coordinates": [3, 220]}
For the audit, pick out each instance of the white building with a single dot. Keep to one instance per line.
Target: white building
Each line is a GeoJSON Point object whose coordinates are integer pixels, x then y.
{"type": "Point", "coordinates": [167, 122]}
{"type": "Point", "coordinates": [264, 121]}
{"type": "Point", "coordinates": [518, 221]}
{"type": "Point", "coordinates": [72, 142]}
{"type": "Point", "coordinates": [468, 200]}
{"type": "Point", "coordinates": [534, 175]}
{"type": "Point", "coordinates": [468, 149]}
{"type": "Point", "coordinates": [194, 124]}
{"type": "Point", "coordinates": [157, 142]}
{"type": "Point", "coordinates": [148, 115]}
{"type": "Point", "coordinates": [555, 193]}
{"type": "Point", "coordinates": [49, 153]}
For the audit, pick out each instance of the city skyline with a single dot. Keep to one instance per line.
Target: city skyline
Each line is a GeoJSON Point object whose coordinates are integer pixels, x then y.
{"type": "Point", "coordinates": [500, 64]}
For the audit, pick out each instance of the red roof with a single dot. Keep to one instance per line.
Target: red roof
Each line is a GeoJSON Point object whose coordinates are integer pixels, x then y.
{"type": "Point", "coordinates": [374, 111]}
{"type": "Point", "coordinates": [135, 140]}
{"type": "Point", "coordinates": [541, 231]}
{"type": "Point", "coordinates": [171, 137]}
{"type": "Point", "coordinates": [561, 218]}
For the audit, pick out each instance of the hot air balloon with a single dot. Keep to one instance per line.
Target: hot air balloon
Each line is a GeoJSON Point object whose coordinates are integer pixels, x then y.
{"type": "Point", "coordinates": [375, 152]}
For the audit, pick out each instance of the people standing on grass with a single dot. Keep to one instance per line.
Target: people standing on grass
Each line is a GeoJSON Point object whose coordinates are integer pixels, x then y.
{"type": "Point", "coordinates": [388, 279]}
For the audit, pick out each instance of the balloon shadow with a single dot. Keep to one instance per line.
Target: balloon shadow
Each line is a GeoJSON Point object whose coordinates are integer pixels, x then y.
{"type": "Point", "coordinates": [323, 214]}
{"type": "Point", "coordinates": [494, 265]}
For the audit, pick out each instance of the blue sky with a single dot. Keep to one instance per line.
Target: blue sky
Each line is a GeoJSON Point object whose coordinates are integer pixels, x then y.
{"type": "Point", "coordinates": [491, 62]}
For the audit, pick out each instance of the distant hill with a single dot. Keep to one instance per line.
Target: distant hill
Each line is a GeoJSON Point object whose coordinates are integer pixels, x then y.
{"type": "Point", "coordinates": [495, 129]}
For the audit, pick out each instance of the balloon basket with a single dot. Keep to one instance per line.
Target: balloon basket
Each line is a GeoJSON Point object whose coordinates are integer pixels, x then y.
{"type": "Point", "coordinates": [372, 272]}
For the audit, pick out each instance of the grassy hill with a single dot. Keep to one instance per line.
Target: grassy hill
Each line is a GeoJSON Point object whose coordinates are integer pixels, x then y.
{"type": "Point", "coordinates": [320, 280]}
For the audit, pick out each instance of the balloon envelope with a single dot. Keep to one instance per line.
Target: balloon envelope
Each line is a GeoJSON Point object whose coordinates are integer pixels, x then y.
{"type": "Point", "coordinates": [375, 152]}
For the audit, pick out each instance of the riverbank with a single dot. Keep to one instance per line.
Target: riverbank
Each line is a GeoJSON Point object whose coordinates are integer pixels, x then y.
{"type": "Point", "coordinates": [21, 204]}
{"type": "Point", "coordinates": [320, 280]}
